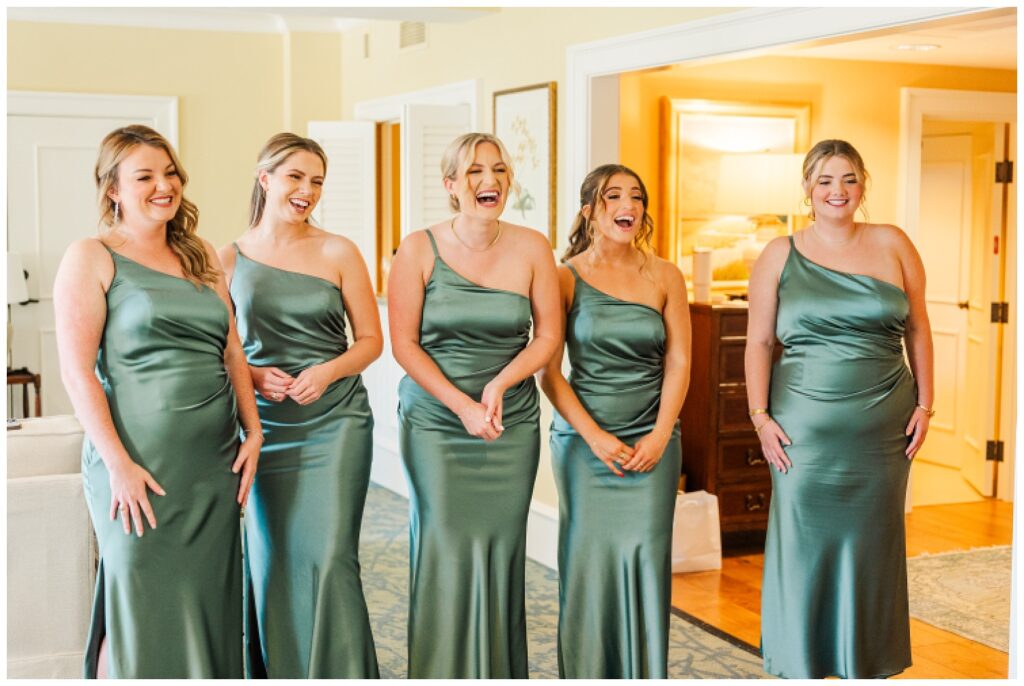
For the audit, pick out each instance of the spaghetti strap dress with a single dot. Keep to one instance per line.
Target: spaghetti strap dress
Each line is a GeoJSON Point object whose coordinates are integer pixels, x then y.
{"type": "Point", "coordinates": [615, 533]}
{"type": "Point", "coordinates": [168, 603]}
{"type": "Point", "coordinates": [308, 617]}
{"type": "Point", "coordinates": [469, 499]}
{"type": "Point", "coordinates": [834, 597]}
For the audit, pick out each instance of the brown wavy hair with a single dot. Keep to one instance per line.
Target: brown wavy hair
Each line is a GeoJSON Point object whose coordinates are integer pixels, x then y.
{"type": "Point", "coordinates": [181, 229]}
{"type": "Point", "coordinates": [278, 149]}
{"type": "Point", "coordinates": [581, 236]}
{"type": "Point", "coordinates": [826, 150]}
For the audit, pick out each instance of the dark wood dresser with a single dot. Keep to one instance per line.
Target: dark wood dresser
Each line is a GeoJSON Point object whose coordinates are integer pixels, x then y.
{"type": "Point", "coordinates": [721, 452]}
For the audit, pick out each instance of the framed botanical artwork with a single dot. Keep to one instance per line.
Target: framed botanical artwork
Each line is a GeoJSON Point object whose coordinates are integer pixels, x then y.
{"type": "Point", "coordinates": [524, 120]}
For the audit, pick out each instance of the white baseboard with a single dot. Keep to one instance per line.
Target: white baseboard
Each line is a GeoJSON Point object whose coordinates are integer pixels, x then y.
{"type": "Point", "coordinates": [541, 525]}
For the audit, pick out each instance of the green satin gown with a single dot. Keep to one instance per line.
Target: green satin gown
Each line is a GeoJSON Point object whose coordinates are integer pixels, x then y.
{"type": "Point", "coordinates": [308, 617]}
{"type": "Point", "coordinates": [469, 499]}
{"type": "Point", "coordinates": [834, 599]}
{"type": "Point", "coordinates": [615, 533]}
{"type": "Point", "coordinates": [169, 603]}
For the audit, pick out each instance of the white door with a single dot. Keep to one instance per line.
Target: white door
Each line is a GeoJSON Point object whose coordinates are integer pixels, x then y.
{"type": "Point", "coordinates": [51, 201]}
{"type": "Point", "coordinates": [348, 204]}
{"type": "Point", "coordinates": [953, 248]}
{"type": "Point", "coordinates": [426, 131]}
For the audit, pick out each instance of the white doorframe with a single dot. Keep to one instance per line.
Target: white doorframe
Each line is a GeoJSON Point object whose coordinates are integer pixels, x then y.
{"type": "Point", "coordinates": [958, 105]}
{"type": "Point", "coordinates": [161, 110]}
{"type": "Point", "coordinates": [746, 32]}
{"type": "Point", "coordinates": [390, 108]}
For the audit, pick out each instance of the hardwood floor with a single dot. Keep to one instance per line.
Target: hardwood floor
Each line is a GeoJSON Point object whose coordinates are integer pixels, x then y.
{"type": "Point", "coordinates": [730, 598]}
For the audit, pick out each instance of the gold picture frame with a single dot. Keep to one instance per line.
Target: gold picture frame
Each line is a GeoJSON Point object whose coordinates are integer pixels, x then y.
{"type": "Point", "coordinates": [525, 121]}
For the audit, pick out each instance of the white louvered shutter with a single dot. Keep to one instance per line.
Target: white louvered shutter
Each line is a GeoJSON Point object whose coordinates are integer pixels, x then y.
{"type": "Point", "coordinates": [426, 132]}
{"type": "Point", "coordinates": [348, 204]}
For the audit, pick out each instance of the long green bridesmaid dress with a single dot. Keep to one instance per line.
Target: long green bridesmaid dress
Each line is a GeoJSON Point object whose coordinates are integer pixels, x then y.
{"type": "Point", "coordinates": [169, 603]}
{"type": "Point", "coordinates": [303, 517]}
{"type": "Point", "coordinates": [615, 533]}
{"type": "Point", "coordinates": [834, 599]}
{"type": "Point", "coordinates": [469, 498]}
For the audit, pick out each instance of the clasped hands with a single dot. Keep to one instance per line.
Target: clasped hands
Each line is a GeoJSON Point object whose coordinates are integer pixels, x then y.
{"type": "Point", "coordinates": [483, 419]}
{"type": "Point", "coordinates": [620, 458]}
{"type": "Point", "coordinates": [276, 385]}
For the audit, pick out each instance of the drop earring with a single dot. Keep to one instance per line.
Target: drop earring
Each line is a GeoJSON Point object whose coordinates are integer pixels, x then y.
{"type": "Point", "coordinates": [117, 211]}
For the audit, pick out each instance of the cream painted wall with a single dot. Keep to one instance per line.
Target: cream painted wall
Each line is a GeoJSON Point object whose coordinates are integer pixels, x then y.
{"type": "Point", "coordinates": [856, 101]}
{"type": "Point", "coordinates": [231, 87]}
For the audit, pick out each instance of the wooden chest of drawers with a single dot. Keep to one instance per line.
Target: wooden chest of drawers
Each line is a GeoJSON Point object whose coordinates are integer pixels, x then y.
{"type": "Point", "coordinates": [721, 452]}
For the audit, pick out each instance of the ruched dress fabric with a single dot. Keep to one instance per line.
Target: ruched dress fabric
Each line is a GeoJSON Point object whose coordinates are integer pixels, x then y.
{"type": "Point", "coordinates": [303, 517]}
{"type": "Point", "coordinates": [615, 533]}
{"type": "Point", "coordinates": [170, 602]}
{"type": "Point", "coordinates": [834, 598]}
{"type": "Point", "coordinates": [469, 499]}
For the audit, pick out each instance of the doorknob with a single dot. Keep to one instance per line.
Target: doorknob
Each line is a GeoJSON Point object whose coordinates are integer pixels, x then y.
{"type": "Point", "coordinates": [964, 305]}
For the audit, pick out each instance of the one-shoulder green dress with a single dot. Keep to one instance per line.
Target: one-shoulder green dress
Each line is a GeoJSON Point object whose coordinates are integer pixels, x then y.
{"type": "Point", "coordinates": [834, 599]}
{"type": "Point", "coordinates": [169, 603]}
{"type": "Point", "coordinates": [615, 533]}
{"type": "Point", "coordinates": [308, 617]}
{"type": "Point", "coordinates": [469, 498]}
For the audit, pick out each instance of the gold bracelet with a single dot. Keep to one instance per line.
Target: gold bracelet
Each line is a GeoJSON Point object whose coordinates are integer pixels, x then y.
{"type": "Point", "coordinates": [759, 410]}
{"type": "Point", "coordinates": [757, 429]}
{"type": "Point", "coordinates": [927, 410]}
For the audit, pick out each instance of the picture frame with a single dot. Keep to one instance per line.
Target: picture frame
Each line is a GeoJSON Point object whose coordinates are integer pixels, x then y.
{"type": "Point", "coordinates": [525, 120]}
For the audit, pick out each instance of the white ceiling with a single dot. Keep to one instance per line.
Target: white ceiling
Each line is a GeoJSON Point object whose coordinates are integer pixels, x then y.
{"type": "Point", "coordinates": [254, 19]}
{"type": "Point", "coordinates": [987, 39]}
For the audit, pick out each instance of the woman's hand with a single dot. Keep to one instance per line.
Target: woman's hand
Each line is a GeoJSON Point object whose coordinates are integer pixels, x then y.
{"type": "Point", "coordinates": [610, 450]}
{"type": "Point", "coordinates": [477, 422]}
{"type": "Point", "coordinates": [491, 399]}
{"type": "Point", "coordinates": [648, 451]}
{"type": "Point", "coordinates": [128, 484]}
{"type": "Point", "coordinates": [773, 438]}
{"type": "Point", "coordinates": [271, 382]}
{"type": "Point", "coordinates": [310, 384]}
{"type": "Point", "coordinates": [246, 461]}
{"type": "Point", "coordinates": [918, 428]}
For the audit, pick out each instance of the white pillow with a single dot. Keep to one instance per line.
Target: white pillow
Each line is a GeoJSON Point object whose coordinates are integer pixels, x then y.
{"type": "Point", "coordinates": [45, 445]}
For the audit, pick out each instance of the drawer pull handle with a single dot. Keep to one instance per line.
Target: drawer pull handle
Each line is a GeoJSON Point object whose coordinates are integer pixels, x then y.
{"type": "Point", "coordinates": [753, 503]}
{"type": "Point", "coordinates": [754, 457]}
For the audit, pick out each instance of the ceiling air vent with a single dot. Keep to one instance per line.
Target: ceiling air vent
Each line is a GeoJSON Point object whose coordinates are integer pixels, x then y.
{"type": "Point", "coordinates": [411, 34]}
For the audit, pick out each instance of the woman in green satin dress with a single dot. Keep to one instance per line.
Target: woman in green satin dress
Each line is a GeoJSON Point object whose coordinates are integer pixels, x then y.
{"type": "Point", "coordinates": [615, 435]}
{"type": "Point", "coordinates": [840, 416]}
{"type": "Point", "coordinates": [154, 369]}
{"type": "Point", "coordinates": [462, 294]}
{"type": "Point", "coordinates": [293, 285]}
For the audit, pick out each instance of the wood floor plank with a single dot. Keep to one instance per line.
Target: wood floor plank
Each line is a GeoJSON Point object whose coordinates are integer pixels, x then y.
{"type": "Point", "coordinates": [730, 598]}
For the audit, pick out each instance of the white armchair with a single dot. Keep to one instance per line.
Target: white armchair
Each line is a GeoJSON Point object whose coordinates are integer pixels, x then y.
{"type": "Point", "coordinates": [51, 550]}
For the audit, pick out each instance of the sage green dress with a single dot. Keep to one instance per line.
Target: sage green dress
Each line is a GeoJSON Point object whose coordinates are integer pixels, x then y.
{"type": "Point", "coordinates": [308, 617]}
{"type": "Point", "coordinates": [834, 599]}
{"type": "Point", "coordinates": [615, 533]}
{"type": "Point", "coordinates": [169, 603]}
{"type": "Point", "coordinates": [469, 499]}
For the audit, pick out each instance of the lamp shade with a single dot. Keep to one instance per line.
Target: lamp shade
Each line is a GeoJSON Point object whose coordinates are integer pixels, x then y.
{"type": "Point", "coordinates": [765, 183]}
{"type": "Point", "coordinates": [17, 287]}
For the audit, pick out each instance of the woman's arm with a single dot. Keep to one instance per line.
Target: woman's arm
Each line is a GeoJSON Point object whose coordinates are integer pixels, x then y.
{"type": "Point", "coordinates": [548, 326]}
{"type": "Point", "coordinates": [238, 372]}
{"type": "Point", "coordinates": [918, 337]}
{"type": "Point", "coordinates": [604, 445]}
{"type": "Point", "coordinates": [406, 290]}
{"type": "Point", "coordinates": [80, 309]}
{"type": "Point", "coordinates": [763, 295]}
{"type": "Point", "coordinates": [676, 380]}
{"type": "Point", "coordinates": [361, 306]}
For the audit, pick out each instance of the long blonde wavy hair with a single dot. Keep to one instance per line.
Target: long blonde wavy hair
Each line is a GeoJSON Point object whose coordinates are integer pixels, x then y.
{"type": "Point", "coordinates": [181, 229]}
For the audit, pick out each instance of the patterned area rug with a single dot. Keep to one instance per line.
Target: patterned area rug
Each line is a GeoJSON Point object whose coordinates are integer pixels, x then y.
{"type": "Point", "coordinates": [696, 651]}
{"type": "Point", "coordinates": [967, 593]}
